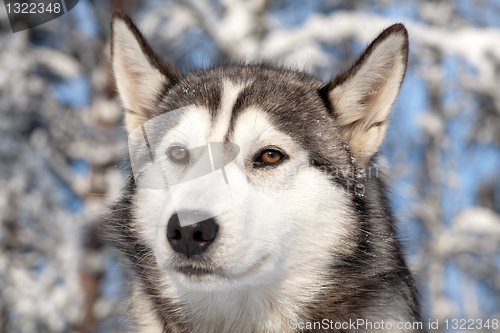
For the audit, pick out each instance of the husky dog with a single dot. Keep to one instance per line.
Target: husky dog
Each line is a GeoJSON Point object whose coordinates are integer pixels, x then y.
{"type": "Point", "coordinates": [303, 238]}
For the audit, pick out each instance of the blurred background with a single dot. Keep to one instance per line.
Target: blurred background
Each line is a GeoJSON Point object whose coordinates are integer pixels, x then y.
{"type": "Point", "coordinates": [62, 143]}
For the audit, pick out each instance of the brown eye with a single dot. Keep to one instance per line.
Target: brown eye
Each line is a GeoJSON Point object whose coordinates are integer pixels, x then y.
{"type": "Point", "coordinates": [178, 154]}
{"type": "Point", "coordinates": [271, 156]}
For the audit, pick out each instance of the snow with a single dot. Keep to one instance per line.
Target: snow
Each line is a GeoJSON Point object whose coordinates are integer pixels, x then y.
{"type": "Point", "coordinates": [62, 142]}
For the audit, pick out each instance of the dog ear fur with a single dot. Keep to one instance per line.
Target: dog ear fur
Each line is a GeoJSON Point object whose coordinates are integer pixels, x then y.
{"type": "Point", "coordinates": [362, 98]}
{"type": "Point", "coordinates": [140, 74]}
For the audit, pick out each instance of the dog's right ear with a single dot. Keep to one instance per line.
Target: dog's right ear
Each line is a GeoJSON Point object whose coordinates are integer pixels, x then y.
{"type": "Point", "coordinates": [140, 74]}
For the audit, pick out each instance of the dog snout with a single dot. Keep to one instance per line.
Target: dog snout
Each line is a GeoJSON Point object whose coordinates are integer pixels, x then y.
{"type": "Point", "coordinates": [191, 239]}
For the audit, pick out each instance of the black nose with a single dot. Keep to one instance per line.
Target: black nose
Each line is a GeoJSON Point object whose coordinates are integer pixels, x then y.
{"type": "Point", "coordinates": [193, 238]}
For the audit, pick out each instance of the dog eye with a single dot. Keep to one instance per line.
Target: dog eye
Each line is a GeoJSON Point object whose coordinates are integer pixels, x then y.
{"type": "Point", "coordinates": [178, 154]}
{"type": "Point", "coordinates": [268, 157]}
{"type": "Point", "coordinates": [271, 156]}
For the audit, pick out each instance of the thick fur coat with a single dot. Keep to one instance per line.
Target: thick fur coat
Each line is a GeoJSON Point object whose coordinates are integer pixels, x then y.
{"type": "Point", "coordinates": [311, 245]}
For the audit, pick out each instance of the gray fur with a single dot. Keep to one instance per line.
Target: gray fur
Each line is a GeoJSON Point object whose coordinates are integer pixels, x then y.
{"type": "Point", "coordinates": [364, 275]}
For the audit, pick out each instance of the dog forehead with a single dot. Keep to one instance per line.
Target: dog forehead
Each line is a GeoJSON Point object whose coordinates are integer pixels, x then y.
{"type": "Point", "coordinates": [290, 100]}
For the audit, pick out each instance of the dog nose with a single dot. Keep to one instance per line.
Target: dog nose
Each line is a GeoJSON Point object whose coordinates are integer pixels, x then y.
{"type": "Point", "coordinates": [193, 238]}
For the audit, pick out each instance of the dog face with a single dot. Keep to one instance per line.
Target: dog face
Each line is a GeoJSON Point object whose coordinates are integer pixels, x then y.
{"type": "Point", "coordinates": [240, 171]}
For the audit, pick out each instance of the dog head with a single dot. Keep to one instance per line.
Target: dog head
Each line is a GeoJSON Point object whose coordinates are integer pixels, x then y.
{"type": "Point", "coordinates": [240, 171]}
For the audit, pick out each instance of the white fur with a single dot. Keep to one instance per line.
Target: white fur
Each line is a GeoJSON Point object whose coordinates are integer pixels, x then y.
{"type": "Point", "coordinates": [274, 249]}
{"type": "Point", "coordinates": [142, 310]}
{"type": "Point", "coordinates": [295, 242]}
{"type": "Point", "coordinates": [230, 93]}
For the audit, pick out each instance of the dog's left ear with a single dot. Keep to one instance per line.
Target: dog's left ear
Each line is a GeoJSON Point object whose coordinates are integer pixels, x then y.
{"type": "Point", "coordinates": [362, 98]}
{"type": "Point", "coordinates": [140, 74]}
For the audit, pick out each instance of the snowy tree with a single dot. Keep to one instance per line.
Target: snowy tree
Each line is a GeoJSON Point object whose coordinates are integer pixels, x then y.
{"type": "Point", "coordinates": [62, 144]}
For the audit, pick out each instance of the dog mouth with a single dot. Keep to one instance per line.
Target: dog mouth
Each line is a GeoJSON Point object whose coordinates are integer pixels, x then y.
{"type": "Point", "coordinates": [193, 271]}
